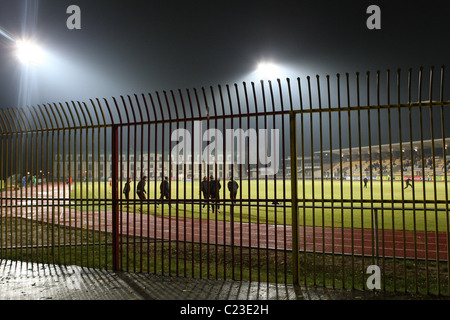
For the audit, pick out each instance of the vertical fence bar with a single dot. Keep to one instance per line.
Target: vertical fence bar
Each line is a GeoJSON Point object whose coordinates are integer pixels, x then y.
{"type": "Point", "coordinates": [141, 218]}
{"type": "Point", "coordinates": [170, 173]}
{"type": "Point", "coordinates": [249, 184]}
{"type": "Point", "coordinates": [115, 202]}
{"type": "Point", "coordinates": [351, 180]}
{"type": "Point", "coordinates": [399, 113]}
{"type": "Point", "coordinates": [283, 163]}
{"type": "Point", "coordinates": [275, 200]}
{"type": "Point", "coordinates": [134, 162]}
{"type": "Point", "coordinates": [14, 164]}
{"type": "Point", "coordinates": [333, 272]}
{"type": "Point", "coordinates": [412, 178]}
{"type": "Point", "coordinates": [177, 175]}
{"type": "Point", "coordinates": [376, 233]}
{"type": "Point", "coordinates": [433, 162]}
{"type": "Point", "coordinates": [313, 194]}
{"type": "Point", "coordinates": [71, 158]}
{"type": "Point", "coordinates": [50, 170]}
{"type": "Point", "coordinates": [240, 170]}
{"type": "Point", "coordinates": [294, 198]}
{"type": "Point", "coordinates": [39, 173]}
{"type": "Point", "coordinates": [302, 133]}
{"type": "Point", "coordinates": [34, 171]}
{"type": "Point", "coordinates": [18, 184]}
{"type": "Point", "coordinates": [155, 168]}
{"type": "Point", "coordinates": [60, 159]}
{"type": "Point", "coordinates": [6, 160]}
{"type": "Point", "coordinates": [341, 178]}
{"type": "Point", "coordinates": [90, 175]}
{"type": "Point", "coordinates": [201, 204]}
{"type": "Point", "coordinates": [13, 190]}
{"type": "Point", "coordinates": [257, 184]}
{"type": "Point", "coordinates": [217, 179]}
{"type": "Point", "coordinates": [391, 180]}
{"type": "Point", "coordinates": [265, 178]}
{"type": "Point", "coordinates": [361, 194]}
{"type": "Point", "coordinates": [424, 197]}
{"type": "Point", "coordinates": [322, 195]}
{"type": "Point", "coordinates": [149, 176]}
{"type": "Point", "coordinates": [85, 183]}
{"type": "Point", "coordinates": [227, 163]}
{"type": "Point", "coordinates": [444, 154]}
{"type": "Point", "coordinates": [380, 173]}
{"type": "Point", "coordinates": [123, 243]}
{"type": "Point", "coordinates": [96, 234]}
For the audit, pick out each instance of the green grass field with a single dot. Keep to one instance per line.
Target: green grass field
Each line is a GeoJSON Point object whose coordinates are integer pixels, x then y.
{"type": "Point", "coordinates": [409, 203]}
{"type": "Point", "coordinates": [30, 240]}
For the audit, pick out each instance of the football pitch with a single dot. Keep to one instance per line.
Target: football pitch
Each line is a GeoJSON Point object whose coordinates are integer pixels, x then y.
{"type": "Point", "coordinates": [321, 203]}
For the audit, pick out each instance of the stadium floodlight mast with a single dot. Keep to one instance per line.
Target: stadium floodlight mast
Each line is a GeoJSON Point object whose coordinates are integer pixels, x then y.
{"type": "Point", "coordinates": [29, 53]}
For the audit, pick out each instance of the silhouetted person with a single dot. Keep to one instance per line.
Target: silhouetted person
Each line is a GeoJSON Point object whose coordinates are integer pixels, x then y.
{"type": "Point", "coordinates": [140, 189]}
{"type": "Point", "coordinates": [164, 189]}
{"type": "Point", "coordinates": [233, 188]}
{"type": "Point", "coordinates": [205, 189]}
{"type": "Point", "coordinates": [214, 189]}
{"type": "Point", "coordinates": [365, 182]}
{"type": "Point", "coordinates": [408, 184]}
{"type": "Point", "coordinates": [127, 188]}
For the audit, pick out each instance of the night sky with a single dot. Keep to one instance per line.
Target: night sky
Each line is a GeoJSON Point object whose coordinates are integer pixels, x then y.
{"type": "Point", "coordinates": [127, 47]}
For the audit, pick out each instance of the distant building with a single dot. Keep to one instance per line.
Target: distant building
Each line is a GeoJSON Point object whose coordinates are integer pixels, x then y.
{"type": "Point", "coordinates": [134, 166]}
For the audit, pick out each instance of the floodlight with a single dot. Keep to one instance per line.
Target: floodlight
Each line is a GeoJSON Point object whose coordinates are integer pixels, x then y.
{"type": "Point", "coordinates": [268, 70]}
{"type": "Point", "coordinates": [29, 53]}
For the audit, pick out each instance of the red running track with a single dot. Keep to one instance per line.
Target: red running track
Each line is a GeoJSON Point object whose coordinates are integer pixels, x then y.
{"type": "Point", "coordinates": [400, 244]}
{"type": "Point", "coordinates": [311, 239]}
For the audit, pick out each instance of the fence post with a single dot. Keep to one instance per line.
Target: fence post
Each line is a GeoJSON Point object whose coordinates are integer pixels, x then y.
{"type": "Point", "coordinates": [375, 223]}
{"type": "Point", "coordinates": [115, 203]}
{"type": "Point", "coordinates": [294, 199]}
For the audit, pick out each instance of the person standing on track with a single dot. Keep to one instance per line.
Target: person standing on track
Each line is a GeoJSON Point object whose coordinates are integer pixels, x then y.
{"type": "Point", "coordinates": [205, 189]}
{"type": "Point", "coordinates": [164, 189]}
{"type": "Point", "coordinates": [233, 188]}
{"type": "Point", "coordinates": [214, 189]}
{"type": "Point", "coordinates": [126, 189]}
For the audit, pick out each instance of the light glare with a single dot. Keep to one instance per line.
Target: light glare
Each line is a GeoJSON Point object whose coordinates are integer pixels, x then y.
{"type": "Point", "coordinates": [268, 70]}
{"type": "Point", "coordinates": [29, 53]}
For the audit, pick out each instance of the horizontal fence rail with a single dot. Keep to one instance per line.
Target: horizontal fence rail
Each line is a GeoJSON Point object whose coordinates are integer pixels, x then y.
{"type": "Point", "coordinates": [315, 181]}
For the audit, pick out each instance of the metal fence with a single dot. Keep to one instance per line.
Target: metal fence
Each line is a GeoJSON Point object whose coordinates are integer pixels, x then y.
{"type": "Point", "coordinates": [342, 182]}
